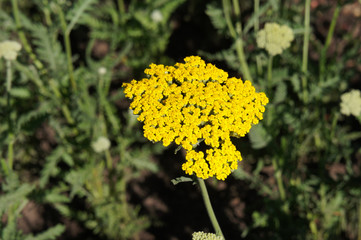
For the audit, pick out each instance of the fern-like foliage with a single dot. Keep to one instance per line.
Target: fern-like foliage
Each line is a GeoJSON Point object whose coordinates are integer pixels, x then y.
{"type": "Point", "coordinates": [48, 49]}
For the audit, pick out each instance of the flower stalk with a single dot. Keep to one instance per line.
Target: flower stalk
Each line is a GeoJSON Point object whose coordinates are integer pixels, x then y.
{"type": "Point", "coordinates": [22, 37]}
{"type": "Point", "coordinates": [331, 30]}
{"type": "Point", "coordinates": [306, 39]}
{"type": "Point", "coordinates": [66, 32]}
{"type": "Point", "coordinates": [10, 122]}
{"type": "Point", "coordinates": [236, 34]}
{"type": "Point", "coordinates": [209, 207]}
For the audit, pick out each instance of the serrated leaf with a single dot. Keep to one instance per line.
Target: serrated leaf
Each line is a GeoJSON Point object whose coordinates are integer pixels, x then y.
{"type": "Point", "coordinates": [259, 137]}
{"type": "Point", "coordinates": [280, 93]}
{"type": "Point", "coordinates": [76, 12]}
{"type": "Point", "coordinates": [49, 234]}
{"type": "Point", "coordinates": [296, 83]}
{"type": "Point", "coordinates": [217, 17]}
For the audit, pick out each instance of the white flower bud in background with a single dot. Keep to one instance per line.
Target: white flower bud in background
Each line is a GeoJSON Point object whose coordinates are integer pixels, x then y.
{"type": "Point", "coordinates": [156, 16]}
{"type": "Point", "coordinates": [101, 144]}
{"type": "Point", "coordinates": [275, 38]}
{"type": "Point", "coordinates": [351, 103]}
{"type": "Point", "coordinates": [9, 50]}
{"type": "Point", "coordinates": [102, 70]}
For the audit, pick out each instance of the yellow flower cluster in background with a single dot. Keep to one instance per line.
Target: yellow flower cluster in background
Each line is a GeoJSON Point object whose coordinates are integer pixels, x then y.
{"type": "Point", "coordinates": [275, 38]}
{"type": "Point", "coordinates": [192, 102]}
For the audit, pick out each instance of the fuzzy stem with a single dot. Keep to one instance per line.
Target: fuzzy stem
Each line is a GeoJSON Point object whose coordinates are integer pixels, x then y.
{"type": "Point", "coordinates": [66, 37]}
{"type": "Point", "coordinates": [269, 73]}
{"type": "Point", "coordinates": [236, 34]}
{"type": "Point", "coordinates": [10, 123]}
{"type": "Point", "coordinates": [278, 175]}
{"type": "Point", "coordinates": [256, 28]}
{"type": "Point", "coordinates": [22, 37]}
{"type": "Point", "coordinates": [306, 39]}
{"type": "Point", "coordinates": [328, 42]}
{"type": "Point", "coordinates": [209, 208]}
{"type": "Point", "coordinates": [121, 7]}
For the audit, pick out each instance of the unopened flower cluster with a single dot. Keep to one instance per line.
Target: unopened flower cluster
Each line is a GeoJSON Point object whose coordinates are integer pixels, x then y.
{"type": "Point", "coordinates": [9, 50]}
{"type": "Point", "coordinates": [193, 102]}
{"type": "Point", "coordinates": [275, 38]}
{"type": "Point", "coordinates": [351, 103]}
{"type": "Point", "coordinates": [206, 236]}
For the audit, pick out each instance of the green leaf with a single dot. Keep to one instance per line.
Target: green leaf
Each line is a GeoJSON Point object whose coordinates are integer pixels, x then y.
{"type": "Point", "coordinates": [181, 179]}
{"type": "Point", "coordinates": [74, 14]}
{"type": "Point", "coordinates": [11, 198]}
{"type": "Point", "coordinates": [20, 92]}
{"type": "Point", "coordinates": [217, 18]}
{"type": "Point", "coordinates": [49, 234]}
{"type": "Point", "coordinates": [259, 137]}
{"type": "Point", "coordinates": [280, 94]}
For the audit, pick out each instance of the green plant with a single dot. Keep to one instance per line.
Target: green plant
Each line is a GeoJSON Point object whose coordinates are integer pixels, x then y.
{"type": "Point", "coordinates": [64, 136]}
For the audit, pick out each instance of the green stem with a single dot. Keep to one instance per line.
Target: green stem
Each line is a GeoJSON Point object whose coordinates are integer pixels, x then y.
{"type": "Point", "coordinates": [269, 73]}
{"type": "Point", "coordinates": [66, 34]}
{"type": "Point", "coordinates": [236, 34]}
{"type": "Point", "coordinates": [306, 39]}
{"type": "Point", "coordinates": [64, 107]}
{"type": "Point", "coordinates": [22, 37]}
{"type": "Point", "coordinates": [359, 221]}
{"type": "Point", "coordinates": [278, 175]}
{"type": "Point", "coordinates": [121, 7]}
{"type": "Point", "coordinates": [256, 28]}
{"type": "Point", "coordinates": [209, 208]}
{"type": "Point", "coordinates": [10, 123]}
{"type": "Point", "coordinates": [328, 42]}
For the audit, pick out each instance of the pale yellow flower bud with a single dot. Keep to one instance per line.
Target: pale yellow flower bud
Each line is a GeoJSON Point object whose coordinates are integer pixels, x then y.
{"type": "Point", "coordinates": [351, 103]}
{"type": "Point", "coordinates": [206, 236]}
{"type": "Point", "coordinates": [101, 144]}
{"type": "Point", "coordinates": [275, 38]}
{"type": "Point", "coordinates": [9, 49]}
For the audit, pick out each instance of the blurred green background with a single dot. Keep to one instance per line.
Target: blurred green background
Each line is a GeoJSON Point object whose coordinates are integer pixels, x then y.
{"type": "Point", "coordinates": [75, 164]}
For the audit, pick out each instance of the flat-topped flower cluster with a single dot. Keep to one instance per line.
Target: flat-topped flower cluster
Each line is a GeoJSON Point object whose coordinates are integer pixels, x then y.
{"type": "Point", "coordinates": [192, 102]}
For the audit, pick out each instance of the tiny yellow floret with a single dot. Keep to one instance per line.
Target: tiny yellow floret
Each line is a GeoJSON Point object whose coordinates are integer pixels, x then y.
{"type": "Point", "coordinates": [195, 102]}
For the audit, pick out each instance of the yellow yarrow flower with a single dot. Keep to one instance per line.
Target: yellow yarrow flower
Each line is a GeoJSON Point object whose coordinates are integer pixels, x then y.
{"type": "Point", "coordinates": [193, 102]}
{"type": "Point", "coordinates": [275, 38]}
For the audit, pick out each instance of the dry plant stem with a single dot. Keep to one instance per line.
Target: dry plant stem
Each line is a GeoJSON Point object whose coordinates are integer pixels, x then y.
{"type": "Point", "coordinates": [22, 37]}
{"type": "Point", "coordinates": [331, 30]}
{"type": "Point", "coordinates": [209, 208]}
{"type": "Point", "coordinates": [306, 39]}
{"type": "Point", "coordinates": [236, 34]}
{"type": "Point", "coordinates": [10, 123]}
{"type": "Point", "coordinates": [66, 33]}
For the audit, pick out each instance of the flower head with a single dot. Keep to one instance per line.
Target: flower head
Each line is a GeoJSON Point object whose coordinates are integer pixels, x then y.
{"type": "Point", "coordinates": [275, 38]}
{"type": "Point", "coordinates": [9, 49]}
{"type": "Point", "coordinates": [351, 103]}
{"type": "Point", "coordinates": [101, 144]}
{"type": "Point", "coordinates": [156, 16]}
{"type": "Point", "coordinates": [192, 102]}
{"type": "Point", "coordinates": [206, 236]}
